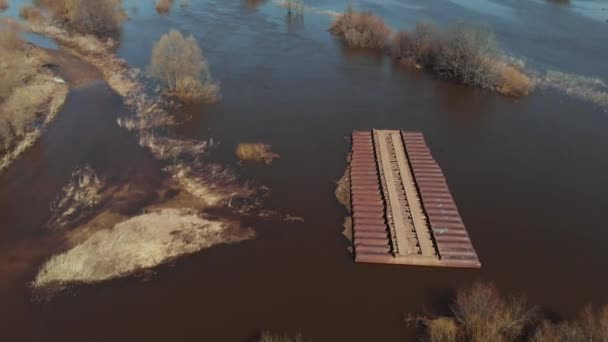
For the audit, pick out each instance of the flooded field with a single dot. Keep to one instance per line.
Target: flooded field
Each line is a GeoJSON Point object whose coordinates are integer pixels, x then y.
{"type": "Point", "coordinates": [528, 175]}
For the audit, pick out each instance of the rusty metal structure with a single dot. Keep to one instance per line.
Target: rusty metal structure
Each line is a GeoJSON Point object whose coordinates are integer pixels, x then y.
{"type": "Point", "coordinates": [403, 212]}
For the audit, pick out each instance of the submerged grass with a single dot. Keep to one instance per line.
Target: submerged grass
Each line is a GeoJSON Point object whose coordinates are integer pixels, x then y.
{"type": "Point", "coordinates": [81, 194]}
{"type": "Point", "coordinates": [255, 152]}
{"type": "Point", "coordinates": [139, 243]}
{"type": "Point", "coordinates": [267, 336]}
{"type": "Point", "coordinates": [590, 89]}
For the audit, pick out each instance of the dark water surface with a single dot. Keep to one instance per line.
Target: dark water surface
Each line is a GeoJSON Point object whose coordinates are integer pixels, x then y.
{"type": "Point", "coordinates": [529, 177]}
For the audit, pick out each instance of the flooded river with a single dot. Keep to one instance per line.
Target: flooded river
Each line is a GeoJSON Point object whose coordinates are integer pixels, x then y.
{"type": "Point", "coordinates": [529, 176]}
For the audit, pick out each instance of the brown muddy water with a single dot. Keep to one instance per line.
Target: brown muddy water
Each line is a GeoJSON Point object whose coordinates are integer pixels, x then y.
{"type": "Point", "coordinates": [529, 177]}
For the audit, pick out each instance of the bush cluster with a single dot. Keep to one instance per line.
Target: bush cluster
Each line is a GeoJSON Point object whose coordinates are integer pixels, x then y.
{"type": "Point", "coordinates": [179, 63]}
{"type": "Point", "coordinates": [102, 18]}
{"type": "Point", "coordinates": [465, 54]}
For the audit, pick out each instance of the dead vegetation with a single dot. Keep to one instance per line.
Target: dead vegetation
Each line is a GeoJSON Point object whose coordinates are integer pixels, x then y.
{"type": "Point", "coordinates": [179, 63]}
{"type": "Point", "coordinates": [256, 152]}
{"type": "Point", "coordinates": [480, 314]}
{"type": "Point", "coordinates": [30, 96]}
{"type": "Point", "coordinates": [590, 89]}
{"type": "Point", "coordinates": [591, 325]}
{"type": "Point", "coordinates": [102, 18]}
{"type": "Point", "coordinates": [361, 30]}
{"type": "Point", "coordinates": [267, 336]}
{"type": "Point", "coordinates": [164, 6]}
{"type": "Point", "coordinates": [138, 243]}
{"type": "Point", "coordinates": [76, 199]}
{"type": "Point", "coordinates": [484, 315]}
{"type": "Point", "coordinates": [461, 53]}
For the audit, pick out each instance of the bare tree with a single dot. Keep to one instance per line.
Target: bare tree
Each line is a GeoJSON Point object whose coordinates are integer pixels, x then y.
{"type": "Point", "coordinates": [179, 63]}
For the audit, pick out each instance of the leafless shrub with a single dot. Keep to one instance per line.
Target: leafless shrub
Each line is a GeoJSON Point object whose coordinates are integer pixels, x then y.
{"type": "Point", "coordinates": [558, 332]}
{"type": "Point", "coordinates": [416, 47]}
{"type": "Point", "coordinates": [361, 29]}
{"type": "Point", "coordinates": [485, 316]}
{"type": "Point", "coordinates": [255, 153]}
{"type": "Point", "coordinates": [464, 54]}
{"type": "Point", "coordinates": [468, 55]}
{"type": "Point", "coordinates": [164, 6]}
{"type": "Point", "coordinates": [179, 63]}
{"type": "Point", "coordinates": [102, 18]}
{"type": "Point", "coordinates": [4, 5]}
{"type": "Point", "coordinates": [591, 325]}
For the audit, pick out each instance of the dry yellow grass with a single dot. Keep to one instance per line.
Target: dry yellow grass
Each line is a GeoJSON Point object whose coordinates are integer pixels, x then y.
{"type": "Point", "coordinates": [443, 329]}
{"type": "Point", "coordinates": [267, 336]}
{"type": "Point", "coordinates": [82, 193]}
{"type": "Point", "coordinates": [361, 29]}
{"type": "Point", "coordinates": [514, 82]}
{"type": "Point", "coordinates": [29, 96]}
{"type": "Point", "coordinates": [179, 63]}
{"type": "Point", "coordinates": [591, 325]}
{"type": "Point", "coordinates": [164, 6]}
{"type": "Point", "coordinates": [256, 152]}
{"type": "Point", "coordinates": [138, 243]}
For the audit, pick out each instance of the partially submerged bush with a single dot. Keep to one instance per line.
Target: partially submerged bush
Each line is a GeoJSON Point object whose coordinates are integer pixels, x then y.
{"type": "Point", "coordinates": [179, 63]}
{"type": "Point", "coordinates": [267, 336]}
{"type": "Point", "coordinates": [480, 314]}
{"type": "Point", "coordinates": [485, 316]}
{"type": "Point", "coordinates": [164, 6]}
{"type": "Point", "coordinates": [4, 5]}
{"type": "Point", "coordinates": [255, 153]}
{"type": "Point", "coordinates": [361, 29]}
{"type": "Point", "coordinates": [465, 54]}
{"type": "Point", "coordinates": [590, 326]}
{"type": "Point", "coordinates": [102, 18]}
